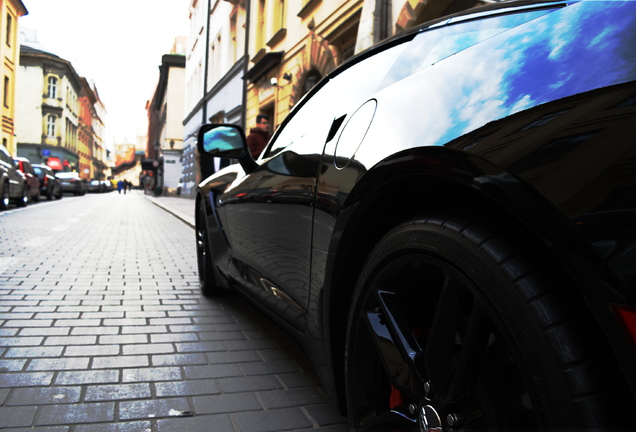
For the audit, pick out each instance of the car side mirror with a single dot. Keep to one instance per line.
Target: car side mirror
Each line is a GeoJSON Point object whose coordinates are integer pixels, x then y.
{"type": "Point", "coordinates": [224, 141]}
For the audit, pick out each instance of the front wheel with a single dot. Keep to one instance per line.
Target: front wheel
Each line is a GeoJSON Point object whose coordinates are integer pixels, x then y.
{"type": "Point", "coordinates": [455, 325]}
{"type": "Point", "coordinates": [207, 280]}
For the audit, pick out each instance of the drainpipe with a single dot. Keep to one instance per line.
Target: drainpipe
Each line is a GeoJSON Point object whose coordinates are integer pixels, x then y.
{"type": "Point", "coordinates": [246, 62]}
{"type": "Point", "coordinates": [204, 110]}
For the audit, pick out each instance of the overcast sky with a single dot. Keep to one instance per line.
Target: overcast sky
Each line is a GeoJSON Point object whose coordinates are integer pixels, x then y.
{"type": "Point", "coordinates": [116, 43]}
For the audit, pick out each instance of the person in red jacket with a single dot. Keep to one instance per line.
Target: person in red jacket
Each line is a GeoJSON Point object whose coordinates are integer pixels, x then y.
{"type": "Point", "coordinates": [259, 136]}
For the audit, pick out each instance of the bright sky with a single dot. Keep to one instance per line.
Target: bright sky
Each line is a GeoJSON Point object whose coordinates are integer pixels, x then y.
{"type": "Point", "coordinates": [116, 43]}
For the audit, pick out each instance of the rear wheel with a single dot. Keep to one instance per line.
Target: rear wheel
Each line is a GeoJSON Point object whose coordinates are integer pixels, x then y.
{"type": "Point", "coordinates": [4, 197]}
{"type": "Point", "coordinates": [24, 199]}
{"type": "Point", "coordinates": [207, 280]}
{"type": "Point", "coordinates": [457, 326]}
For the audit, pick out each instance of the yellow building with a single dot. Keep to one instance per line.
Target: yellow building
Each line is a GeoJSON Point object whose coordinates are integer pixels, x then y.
{"type": "Point", "coordinates": [10, 12]}
{"type": "Point", "coordinates": [294, 43]}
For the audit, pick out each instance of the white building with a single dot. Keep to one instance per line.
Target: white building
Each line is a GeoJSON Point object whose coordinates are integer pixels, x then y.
{"type": "Point", "coordinates": [214, 68]}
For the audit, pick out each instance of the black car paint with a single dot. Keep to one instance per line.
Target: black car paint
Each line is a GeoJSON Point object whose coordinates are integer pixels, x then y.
{"type": "Point", "coordinates": [561, 169]}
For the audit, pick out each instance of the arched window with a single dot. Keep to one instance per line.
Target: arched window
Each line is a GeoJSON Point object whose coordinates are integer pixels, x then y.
{"type": "Point", "coordinates": [52, 88]}
{"type": "Point", "coordinates": [312, 78]}
{"type": "Point", "coordinates": [50, 125]}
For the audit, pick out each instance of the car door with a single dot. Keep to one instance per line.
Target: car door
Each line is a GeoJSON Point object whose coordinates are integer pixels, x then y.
{"type": "Point", "coordinates": [270, 211]}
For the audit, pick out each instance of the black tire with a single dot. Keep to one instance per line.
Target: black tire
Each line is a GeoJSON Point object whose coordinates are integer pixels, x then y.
{"type": "Point", "coordinates": [24, 200]}
{"type": "Point", "coordinates": [460, 324]}
{"type": "Point", "coordinates": [4, 199]}
{"type": "Point", "coordinates": [207, 281]}
{"type": "Point", "coordinates": [36, 198]}
{"type": "Point", "coordinates": [49, 194]}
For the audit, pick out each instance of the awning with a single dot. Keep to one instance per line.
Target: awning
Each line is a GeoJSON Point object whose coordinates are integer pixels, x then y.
{"type": "Point", "coordinates": [55, 164]}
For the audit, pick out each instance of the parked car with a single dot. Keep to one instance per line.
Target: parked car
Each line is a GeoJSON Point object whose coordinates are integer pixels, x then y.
{"type": "Point", "coordinates": [13, 186]}
{"type": "Point", "coordinates": [94, 186]}
{"type": "Point", "coordinates": [465, 259]}
{"type": "Point", "coordinates": [33, 183]}
{"type": "Point", "coordinates": [71, 183]}
{"type": "Point", "coordinates": [49, 184]}
{"type": "Point", "coordinates": [107, 185]}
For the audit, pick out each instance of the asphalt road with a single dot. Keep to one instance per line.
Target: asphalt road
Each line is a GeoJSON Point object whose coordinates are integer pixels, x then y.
{"type": "Point", "coordinates": [103, 329]}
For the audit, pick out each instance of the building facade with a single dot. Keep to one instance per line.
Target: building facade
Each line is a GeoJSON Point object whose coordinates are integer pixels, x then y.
{"type": "Point", "coordinates": [48, 109]}
{"type": "Point", "coordinates": [165, 127]}
{"type": "Point", "coordinates": [216, 63]}
{"type": "Point", "coordinates": [10, 12]}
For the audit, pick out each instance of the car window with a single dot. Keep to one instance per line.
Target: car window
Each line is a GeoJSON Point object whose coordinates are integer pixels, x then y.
{"type": "Point", "coordinates": [311, 122]}
{"type": "Point", "coordinates": [436, 44]}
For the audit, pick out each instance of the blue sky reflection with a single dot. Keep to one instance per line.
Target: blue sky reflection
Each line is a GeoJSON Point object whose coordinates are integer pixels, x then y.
{"type": "Point", "coordinates": [574, 50]}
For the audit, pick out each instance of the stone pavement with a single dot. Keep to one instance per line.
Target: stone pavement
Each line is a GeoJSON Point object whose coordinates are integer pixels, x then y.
{"type": "Point", "coordinates": [103, 329]}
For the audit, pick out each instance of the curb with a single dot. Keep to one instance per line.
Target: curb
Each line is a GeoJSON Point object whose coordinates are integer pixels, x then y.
{"type": "Point", "coordinates": [189, 220]}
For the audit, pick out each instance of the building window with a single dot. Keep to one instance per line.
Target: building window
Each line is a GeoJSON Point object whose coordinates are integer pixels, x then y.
{"type": "Point", "coordinates": [50, 125]}
{"type": "Point", "coordinates": [9, 29]}
{"type": "Point", "coordinates": [6, 91]}
{"type": "Point", "coordinates": [52, 88]}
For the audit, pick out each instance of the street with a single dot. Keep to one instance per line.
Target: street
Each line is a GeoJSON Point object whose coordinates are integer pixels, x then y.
{"type": "Point", "coordinates": [103, 329]}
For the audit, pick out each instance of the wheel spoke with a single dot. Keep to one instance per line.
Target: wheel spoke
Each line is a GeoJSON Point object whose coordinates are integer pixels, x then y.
{"type": "Point", "coordinates": [441, 341]}
{"type": "Point", "coordinates": [399, 351]}
{"type": "Point", "coordinates": [473, 350]}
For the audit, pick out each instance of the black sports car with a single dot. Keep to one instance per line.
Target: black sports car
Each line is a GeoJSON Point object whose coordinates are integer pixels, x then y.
{"type": "Point", "coordinates": [448, 222]}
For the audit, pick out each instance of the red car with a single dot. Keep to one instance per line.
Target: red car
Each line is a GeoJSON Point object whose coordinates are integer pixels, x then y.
{"type": "Point", "coordinates": [33, 183]}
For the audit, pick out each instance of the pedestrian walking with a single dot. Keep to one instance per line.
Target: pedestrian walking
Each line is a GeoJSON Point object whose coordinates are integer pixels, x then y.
{"type": "Point", "coordinates": [120, 186]}
{"type": "Point", "coordinates": [259, 136]}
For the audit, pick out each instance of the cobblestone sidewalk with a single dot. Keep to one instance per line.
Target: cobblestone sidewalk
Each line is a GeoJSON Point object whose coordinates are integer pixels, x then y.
{"type": "Point", "coordinates": [103, 329]}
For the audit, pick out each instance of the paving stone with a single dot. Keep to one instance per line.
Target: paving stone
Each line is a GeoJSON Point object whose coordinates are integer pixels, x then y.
{"type": "Point", "coordinates": [273, 367]}
{"type": "Point", "coordinates": [212, 371]}
{"type": "Point", "coordinates": [35, 352]}
{"type": "Point", "coordinates": [87, 377]}
{"type": "Point", "coordinates": [20, 341]}
{"type": "Point", "coordinates": [12, 365]}
{"type": "Point", "coordinates": [70, 340]}
{"type": "Point", "coordinates": [200, 346]}
{"type": "Point", "coordinates": [299, 379]}
{"type": "Point", "coordinates": [138, 426]}
{"type": "Point", "coordinates": [44, 396]}
{"type": "Point", "coordinates": [249, 384]}
{"type": "Point", "coordinates": [95, 330]}
{"type": "Point", "coordinates": [110, 362]}
{"type": "Point", "coordinates": [152, 374]}
{"type": "Point", "coordinates": [32, 379]}
{"type": "Point", "coordinates": [3, 395]}
{"type": "Point", "coordinates": [291, 398]}
{"type": "Point", "coordinates": [118, 392]}
{"type": "Point", "coordinates": [58, 364]}
{"type": "Point", "coordinates": [233, 357]}
{"type": "Point", "coordinates": [216, 423]}
{"type": "Point", "coordinates": [178, 359]}
{"type": "Point", "coordinates": [226, 403]}
{"type": "Point", "coordinates": [173, 407]}
{"type": "Point", "coordinates": [93, 350]}
{"type": "Point", "coordinates": [273, 420]}
{"type": "Point", "coordinates": [144, 329]}
{"type": "Point", "coordinates": [77, 413]}
{"type": "Point", "coordinates": [148, 349]}
{"type": "Point", "coordinates": [173, 337]}
{"type": "Point", "coordinates": [325, 415]}
{"type": "Point", "coordinates": [123, 339]}
{"type": "Point", "coordinates": [16, 416]}
{"type": "Point", "coordinates": [187, 388]}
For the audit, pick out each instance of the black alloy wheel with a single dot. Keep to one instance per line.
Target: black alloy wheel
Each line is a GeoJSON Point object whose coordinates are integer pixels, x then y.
{"type": "Point", "coordinates": [456, 326]}
{"type": "Point", "coordinates": [204, 256]}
